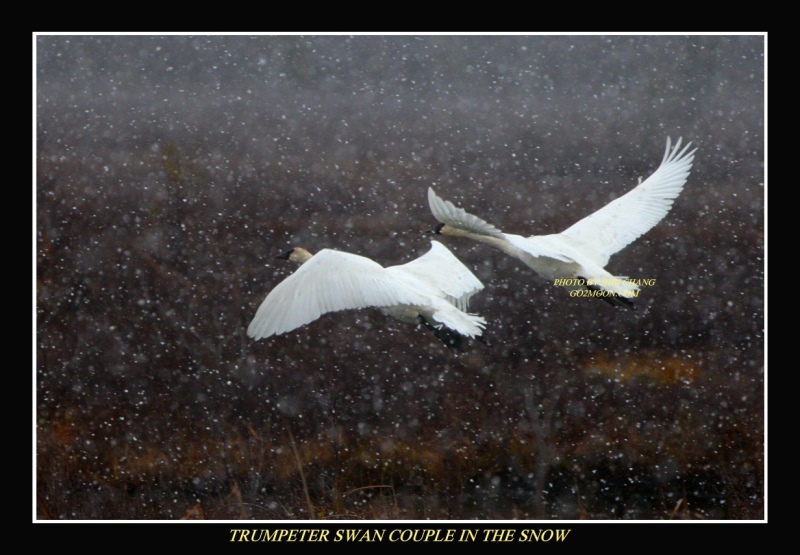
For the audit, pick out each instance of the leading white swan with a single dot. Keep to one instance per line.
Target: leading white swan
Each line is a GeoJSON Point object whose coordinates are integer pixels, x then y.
{"type": "Point", "coordinates": [579, 254]}
{"type": "Point", "coordinates": [433, 290]}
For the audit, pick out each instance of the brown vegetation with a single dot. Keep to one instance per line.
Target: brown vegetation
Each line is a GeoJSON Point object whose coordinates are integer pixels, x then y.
{"type": "Point", "coordinates": [153, 404]}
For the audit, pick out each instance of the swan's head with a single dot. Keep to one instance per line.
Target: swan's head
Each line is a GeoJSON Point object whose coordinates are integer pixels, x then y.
{"type": "Point", "coordinates": [449, 230]}
{"type": "Point", "coordinates": [437, 230]}
{"type": "Point", "coordinates": [296, 254]}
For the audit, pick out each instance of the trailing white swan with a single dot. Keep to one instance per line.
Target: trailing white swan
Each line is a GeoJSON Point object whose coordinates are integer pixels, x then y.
{"type": "Point", "coordinates": [433, 290]}
{"type": "Point", "coordinates": [581, 252]}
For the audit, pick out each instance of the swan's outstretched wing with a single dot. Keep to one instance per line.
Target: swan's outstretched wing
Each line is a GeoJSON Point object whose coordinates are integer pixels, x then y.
{"type": "Point", "coordinates": [622, 220]}
{"type": "Point", "coordinates": [443, 274]}
{"type": "Point", "coordinates": [447, 213]}
{"type": "Point", "coordinates": [329, 281]}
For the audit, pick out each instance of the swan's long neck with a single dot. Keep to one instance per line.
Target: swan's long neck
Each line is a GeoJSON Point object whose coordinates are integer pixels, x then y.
{"type": "Point", "coordinates": [496, 242]}
{"type": "Point", "coordinates": [297, 254]}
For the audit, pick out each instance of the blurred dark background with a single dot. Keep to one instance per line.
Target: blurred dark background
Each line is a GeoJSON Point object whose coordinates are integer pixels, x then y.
{"type": "Point", "coordinates": [171, 169]}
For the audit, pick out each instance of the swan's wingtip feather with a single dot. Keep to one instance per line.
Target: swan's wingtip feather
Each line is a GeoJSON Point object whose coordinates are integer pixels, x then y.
{"type": "Point", "coordinates": [449, 214]}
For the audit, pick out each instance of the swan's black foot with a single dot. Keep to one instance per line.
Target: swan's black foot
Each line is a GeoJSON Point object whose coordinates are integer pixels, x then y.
{"type": "Point", "coordinates": [621, 300]}
{"type": "Point", "coordinates": [453, 340]}
{"type": "Point", "coordinates": [614, 299]}
{"type": "Point", "coordinates": [482, 339]}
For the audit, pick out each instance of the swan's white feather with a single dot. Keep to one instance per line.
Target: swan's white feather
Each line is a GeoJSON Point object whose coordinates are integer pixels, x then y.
{"type": "Point", "coordinates": [442, 273]}
{"type": "Point", "coordinates": [332, 281]}
{"type": "Point", "coordinates": [626, 218]}
{"type": "Point", "coordinates": [583, 249]}
{"type": "Point", "coordinates": [446, 212]}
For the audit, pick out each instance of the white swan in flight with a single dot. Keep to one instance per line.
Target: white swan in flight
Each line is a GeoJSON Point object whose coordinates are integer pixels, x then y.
{"type": "Point", "coordinates": [582, 251]}
{"type": "Point", "coordinates": [432, 290]}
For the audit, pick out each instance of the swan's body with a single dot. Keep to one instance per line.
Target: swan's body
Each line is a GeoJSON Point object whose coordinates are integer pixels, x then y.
{"type": "Point", "coordinates": [433, 290]}
{"type": "Point", "coordinates": [582, 251]}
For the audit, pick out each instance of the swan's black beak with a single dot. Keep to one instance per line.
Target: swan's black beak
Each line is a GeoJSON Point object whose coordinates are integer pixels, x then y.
{"type": "Point", "coordinates": [435, 230]}
{"type": "Point", "coordinates": [285, 255]}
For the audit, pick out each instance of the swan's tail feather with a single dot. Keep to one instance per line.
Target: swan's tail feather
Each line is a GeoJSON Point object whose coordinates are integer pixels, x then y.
{"type": "Point", "coordinates": [464, 323]}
